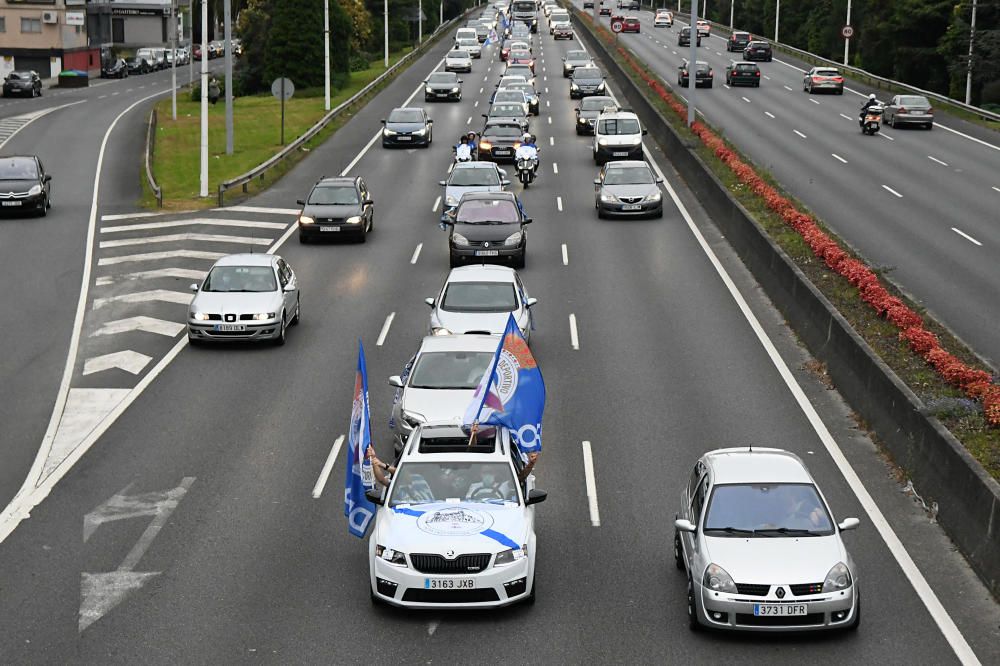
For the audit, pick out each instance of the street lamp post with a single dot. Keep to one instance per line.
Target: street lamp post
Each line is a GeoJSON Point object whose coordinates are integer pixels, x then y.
{"type": "Point", "coordinates": [420, 21]}
{"type": "Point", "coordinates": [777, 15]}
{"type": "Point", "coordinates": [385, 23]}
{"type": "Point", "coordinates": [227, 22]}
{"type": "Point", "coordinates": [203, 190]}
{"type": "Point", "coordinates": [173, 59]}
{"type": "Point", "coordinates": [847, 40]}
{"type": "Point", "coordinates": [326, 54]}
{"type": "Point", "coordinates": [693, 63]}
{"type": "Point", "coordinates": [968, 73]}
{"type": "Point", "coordinates": [732, 12]}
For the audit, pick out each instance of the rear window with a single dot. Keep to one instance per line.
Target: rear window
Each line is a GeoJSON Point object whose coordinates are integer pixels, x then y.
{"type": "Point", "coordinates": [739, 36]}
{"type": "Point", "coordinates": [746, 68]}
{"type": "Point", "coordinates": [333, 195]}
{"type": "Point", "coordinates": [913, 100]}
{"type": "Point", "coordinates": [826, 72]}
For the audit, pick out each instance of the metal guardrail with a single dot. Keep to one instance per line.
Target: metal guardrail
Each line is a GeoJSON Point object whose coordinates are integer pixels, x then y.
{"type": "Point", "coordinates": [262, 168]}
{"type": "Point", "coordinates": [879, 82]}
{"type": "Point", "coordinates": [150, 147]}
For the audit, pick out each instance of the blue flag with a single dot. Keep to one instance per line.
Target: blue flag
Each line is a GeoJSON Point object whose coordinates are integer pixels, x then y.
{"type": "Point", "coordinates": [511, 393]}
{"type": "Point", "coordinates": [358, 509]}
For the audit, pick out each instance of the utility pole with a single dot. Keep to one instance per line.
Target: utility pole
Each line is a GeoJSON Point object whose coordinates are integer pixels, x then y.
{"type": "Point", "coordinates": [441, 14]}
{"type": "Point", "coordinates": [420, 21]}
{"type": "Point", "coordinates": [173, 59]}
{"type": "Point", "coordinates": [732, 12]}
{"type": "Point", "coordinates": [777, 14]}
{"type": "Point", "coordinates": [385, 22]}
{"type": "Point", "coordinates": [972, 40]}
{"type": "Point", "coordinates": [227, 19]}
{"type": "Point", "coordinates": [203, 190]}
{"type": "Point", "coordinates": [847, 41]}
{"type": "Point", "coordinates": [326, 54]}
{"type": "Point", "coordinates": [693, 62]}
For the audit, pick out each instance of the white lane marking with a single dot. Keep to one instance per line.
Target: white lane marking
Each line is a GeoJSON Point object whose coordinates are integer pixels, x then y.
{"type": "Point", "coordinates": [385, 329]}
{"type": "Point", "coordinates": [814, 101]}
{"type": "Point", "coordinates": [933, 605]}
{"type": "Point", "coordinates": [838, 157]}
{"type": "Point", "coordinates": [574, 338]}
{"type": "Point", "coordinates": [559, 203]}
{"type": "Point", "coordinates": [966, 236]}
{"type": "Point", "coordinates": [475, 104]}
{"type": "Point", "coordinates": [469, 121]}
{"type": "Point", "coordinates": [885, 136]}
{"type": "Point", "coordinates": [156, 256]}
{"type": "Point", "coordinates": [128, 216]}
{"type": "Point", "coordinates": [934, 159]}
{"type": "Point", "coordinates": [995, 188]}
{"type": "Point", "coordinates": [588, 475]}
{"type": "Point", "coordinates": [547, 105]}
{"type": "Point", "coordinates": [480, 91]}
{"type": "Point", "coordinates": [127, 360]}
{"type": "Point", "coordinates": [151, 296]}
{"type": "Point", "coordinates": [146, 324]}
{"type": "Point", "coordinates": [555, 167]}
{"type": "Point", "coordinates": [966, 136]}
{"type": "Point", "coordinates": [173, 238]}
{"type": "Point", "coordinates": [416, 253]}
{"type": "Point", "coordinates": [116, 93]}
{"type": "Point", "coordinates": [432, 627]}
{"type": "Point", "coordinates": [437, 202]}
{"type": "Point", "coordinates": [260, 209]}
{"type": "Point", "coordinates": [552, 141]}
{"type": "Point", "coordinates": [766, 77]}
{"type": "Point", "coordinates": [102, 97]}
{"type": "Point", "coordinates": [18, 123]}
{"type": "Point", "coordinates": [565, 255]}
{"type": "Point", "coordinates": [745, 100]}
{"type": "Point", "coordinates": [129, 90]}
{"type": "Point", "coordinates": [892, 191]}
{"type": "Point", "coordinates": [674, 52]}
{"type": "Point", "coordinates": [769, 114]}
{"type": "Point", "coordinates": [207, 221]}
{"type": "Point", "coordinates": [36, 487]}
{"type": "Point", "coordinates": [324, 474]}
{"type": "Point", "coordinates": [846, 117]}
{"type": "Point", "coordinates": [726, 86]}
{"type": "Point", "coordinates": [800, 134]}
{"type": "Point", "coordinates": [182, 273]}
{"type": "Point", "coordinates": [787, 88]}
{"type": "Point", "coordinates": [550, 120]}
{"type": "Point", "coordinates": [546, 90]}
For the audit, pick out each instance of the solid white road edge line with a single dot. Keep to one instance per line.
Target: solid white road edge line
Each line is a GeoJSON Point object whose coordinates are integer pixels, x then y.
{"type": "Point", "coordinates": [574, 339]}
{"type": "Point", "coordinates": [920, 585]}
{"type": "Point", "coordinates": [324, 475]}
{"type": "Point", "coordinates": [966, 236]}
{"type": "Point", "coordinates": [416, 253]}
{"type": "Point", "coordinates": [385, 329]}
{"type": "Point", "coordinates": [588, 475]}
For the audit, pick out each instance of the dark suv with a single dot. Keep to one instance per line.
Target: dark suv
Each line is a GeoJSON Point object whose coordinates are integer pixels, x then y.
{"type": "Point", "coordinates": [337, 208]}
{"type": "Point", "coordinates": [488, 227]}
{"type": "Point", "coordinates": [757, 50]}
{"type": "Point", "coordinates": [738, 41]}
{"type": "Point", "coordinates": [684, 37]}
{"type": "Point", "coordinates": [740, 73]}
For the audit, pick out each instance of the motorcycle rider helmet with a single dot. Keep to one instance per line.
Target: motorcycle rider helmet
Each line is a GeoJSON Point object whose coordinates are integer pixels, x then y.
{"type": "Point", "coordinates": [872, 97]}
{"type": "Point", "coordinates": [526, 138]}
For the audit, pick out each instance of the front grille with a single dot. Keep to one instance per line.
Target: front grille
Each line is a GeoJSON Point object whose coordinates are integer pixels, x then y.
{"type": "Point", "coordinates": [748, 620]}
{"type": "Point", "coordinates": [630, 200]}
{"type": "Point", "coordinates": [215, 317]}
{"type": "Point", "coordinates": [13, 195]}
{"type": "Point", "coordinates": [806, 588]}
{"type": "Point", "coordinates": [421, 595]}
{"type": "Point", "coordinates": [436, 564]}
{"type": "Point", "coordinates": [752, 590]}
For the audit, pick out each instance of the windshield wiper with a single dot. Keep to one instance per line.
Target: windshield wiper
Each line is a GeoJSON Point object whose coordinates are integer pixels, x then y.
{"type": "Point", "coordinates": [789, 531]}
{"type": "Point", "coordinates": [730, 530]}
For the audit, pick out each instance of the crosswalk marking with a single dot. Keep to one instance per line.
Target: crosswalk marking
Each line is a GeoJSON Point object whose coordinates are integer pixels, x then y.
{"type": "Point", "coordinates": [183, 273]}
{"type": "Point", "coordinates": [128, 216]}
{"type": "Point", "coordinates": [147, 324]}
{"type": "Point", "coordinates": [154, 256]}
{"type": "Point", "coordinates": [173, 238]}
{"type": "Point", "coordinates": [153, 295]}
{"type": "Point", "coordinates": [207, 221]}
{"type": "Point", "coordinates": [260, 209]}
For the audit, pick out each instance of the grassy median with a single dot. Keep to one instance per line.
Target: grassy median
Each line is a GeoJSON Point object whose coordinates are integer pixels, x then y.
{"type": "Point", "coordinates": [256, 137]}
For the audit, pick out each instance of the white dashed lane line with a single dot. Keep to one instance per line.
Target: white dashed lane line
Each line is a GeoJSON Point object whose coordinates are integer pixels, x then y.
{"type": "Point", "coordinates": [574, 338]}
{"type": "Point", "coordinates": [559, 203]}
{"type": "Point", "coordinates": [555, 168]}
{"type": "Point", "coordinates": [591, 481]}
{"type": "Point", "coordinates": [838, 157]}
{"type": "Point", "coordinates": [788, 89]}
{"type": "Point", "coordinates": [565, 255]}
{"type": "Point", "coordinates": [966, 236]}
{"type": "Point", "coordinates": [934, 159]}
{"type": "Point", "coordinates": [552, 141]}
{"type": "Point", "coordinates": [416, 252]}
{"type": "Point", "coordinates": [800, 134]}
{"type": "Point", "coordinates": [437, 202]}
{"type": "Point", "coordinates": [769, 114]}
{"type": "Point", "coordinates": [385, 329]}
{"type": "Point", "coordinates": [846, 117]}
{"type": "Point", "coordinates": [813, 101]}
{"type": "Point", "coordinates": [324, 475]}
{"type": "Point", "coordinates": [745, 100]}
{"type": "Point", "coordinates": [996, 188]}
{"type": "Point", "coordinates": [892, 191]}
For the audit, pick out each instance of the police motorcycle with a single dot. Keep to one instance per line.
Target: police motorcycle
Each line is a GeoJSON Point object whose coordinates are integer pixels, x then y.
{"type": "Point", "coordinates": [870, 118]}
{"type": "Point", "coordinates": [526, 167]}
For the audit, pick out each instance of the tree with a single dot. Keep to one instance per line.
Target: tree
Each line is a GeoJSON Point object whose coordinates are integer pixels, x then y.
{"type": "Point", "coordinates": [253, 28]}
{"type": "Point", "coordinates": [361, 24]}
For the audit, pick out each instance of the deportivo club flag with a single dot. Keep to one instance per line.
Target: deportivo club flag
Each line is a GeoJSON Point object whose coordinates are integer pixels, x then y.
{"type": "Point", "coordinates": [357, 508]}
{"type": "Point", "coordinates": [512, 392]}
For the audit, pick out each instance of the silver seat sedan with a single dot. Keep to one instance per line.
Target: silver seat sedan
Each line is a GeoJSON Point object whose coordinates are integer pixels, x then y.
{"type": "Point", "coordinates": [478, 299]}
{"type": "Point", "coordinates": [760, 546]}
{"type": "Point", "coordinates": [245, 297]}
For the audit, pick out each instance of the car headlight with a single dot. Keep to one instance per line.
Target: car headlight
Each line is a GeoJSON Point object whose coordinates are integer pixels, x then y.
{"type": "Point", "coordinates": [35, 189]}
{"type": "Point", "coordinates": [412, 418]}
{"type": "Point", "coordinates": [608, 198]}
{"type": "Point", "coordinates": [839, 578]}
{"type": "Point", "coordinates": [582, 121]}
{"type": "Point", "coordinates": [717, 580]}
{"type": "Point", "coordinates": [573, 86]}
{"type": "Point", "coordinates": [510, 556]}
{"type": "Point", "coordinates": [655, 196]}
{"type": "Point", "coordinates": [428, 90]}
{"type": "Point", "coordinates": [199, 316]}
{"type": "Point", "coordinates": [451, 200]}
{"type": "Point", "coordinates": [263, 316]}
{"type": "Point", "coordinates": [455, 89]}
{"type": "Point", "coordinates": [388, 132]}
{"type": "Point", "coordinates": [601, 86]}
{"type": "Point", "coordinates": [513, 239]}
{"type": "Point", "coordinates": [353, 219]}
{"type": "Point", "coordinates": [602, 142]}
{"type": "Point", "coordinates": [440, 330]}
{"type": "Point", "coordinates": [421, 132]}
{"type": "Point", "coordinates": [391, 556]}
{"type": "Point", "coordinates": [459, 239]}
{"type": "Point", "coordinates": [305, 219]}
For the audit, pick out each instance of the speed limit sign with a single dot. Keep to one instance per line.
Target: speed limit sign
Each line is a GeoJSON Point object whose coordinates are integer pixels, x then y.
{"type": "Point", "coordinates": [847, 32]}
{"type": "Point", "coordinates": [617, 26]}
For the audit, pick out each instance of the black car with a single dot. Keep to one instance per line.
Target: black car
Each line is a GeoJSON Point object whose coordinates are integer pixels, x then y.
{"type": "Point", "coordinates": [757, 50]}
{"type": "Point", "coordinates": [684, 37]}
{"type": "Point", "coordinates": [585, 81]}
{"type": "Point", "coordinates": [589, 109]}
{"type": "Point", "coordinates": [337, 208]}
{"type": "Point", "coordinates": [137, 65]}
{"type": "Point", "coordinates": [588, 4]}
{"type": "Point", "coordinates": [114, 68]}
{"type": "Point", "coordinates": [24, 185]}
{"type": "Point", "coordinates": [407, 127]}
{"type": "Point", "coordinates": [739, 73]}
{"type": "Point", "coordinates": [488, 227]}
{"type": "Point", "coordinates": [738, 41]}
{"type": "Point", "coordinates": [703, 75]}
{"type": "Point", "coordinates": [498, 140]}
{"type": "Point", "coordinates": [24, 83]}
{"type": "Point", "coordinates": [443, 85]}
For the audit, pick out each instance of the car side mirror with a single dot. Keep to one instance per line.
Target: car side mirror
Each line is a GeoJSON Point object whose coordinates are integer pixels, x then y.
{"type": "Point", "coordinates": [460, 81]}
{"type": "Point", "coordinates": [396, 381]}
{"type": "Point", "coordinates": [597, 181]}
{"type": "Point", "coordinates": [383, 121]}
{"type": "Point", "coordinates": [527, 220]}
{"type": "Point", "coordinates": [685, 526]}
{"type": "Point", "coordinates": [430, 302]}
{"type": "Point", "coordinates": [659, 181]}
{"type": "Point", "coordinates": [849, 524]}
{"type": "Point", "coordinates": [645, 132]}
{"type": "Point", "coordinates": [194, 287]}
{"type": "Point", "coordinates": [530, 302]}
{"type": "Point", "coordinates": [484, 115]}
{"type": "Point", "coordinates": [504, 182]}
{"type": "Point", "coordinates": [442, 183]}
{"type": "Point", "coordinates": [535, 497]}
{"type": "Point", "coordinates": [430, 121]}
{"type": "Point", "coordinates": [368, 202]}
{"type": "Point", "coordinates": [375, 496]}
{"type": "Point", "coordinates": [300, 202]}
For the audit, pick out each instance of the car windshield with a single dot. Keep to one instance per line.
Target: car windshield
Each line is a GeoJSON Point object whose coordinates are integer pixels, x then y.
{"type": "Point", "coordinates": [577, 55]}
{"type": "Point", "coordinates": [18, 168]}
{"type": "Point", "coordinates": [19, 76]}
{"type": "Point", "coordinates": [479, 482]}
{"type": "Point", "coordinates": [479, 297]}
{"type": "Point", "coordinates": [767, 510]}
{"type": "Point", "coordinates": [586, 73]}
{"type": "Point", "coordinates": [441, 77]}
{"type": "Point", "coordinates": [628, 176]}
{"type": "Point", "coordinates": [240, 279]}
{"type": "Point", "coordinates": [450, 369]}
{"type": "Point", "coordinates": [406, 116]}
{"type": "Point", "coordinates": [507, 110]}
{"type": "Point", "coordinates": [596, 103]}
{"type": "Point", "coordinates": [333, 195]}
{"type": "Point", "coordinates": [509, 96]}
{"type": "Point", "coordinates": [524, 88]}
{"type": "Point", "coordinates": [913, 100]}
{"type": "Point", "coordinates": [619, 126]}
{"type": "Point", "coordinates": [474, 176]}
{"type": "Point", "coordinates": [487, 211]}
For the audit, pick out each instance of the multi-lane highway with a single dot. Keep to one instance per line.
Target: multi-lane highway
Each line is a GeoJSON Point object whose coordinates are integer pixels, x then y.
{"type": "Point", "coordinates": [190, 531]}
{"type": "Point", "coordinates": [920, 204]}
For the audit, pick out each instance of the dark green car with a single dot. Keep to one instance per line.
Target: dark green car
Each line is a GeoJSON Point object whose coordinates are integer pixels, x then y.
{"type": "Point", "coordinates": [743, 73]}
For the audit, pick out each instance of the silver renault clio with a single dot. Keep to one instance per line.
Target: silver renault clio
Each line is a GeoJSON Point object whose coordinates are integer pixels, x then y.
{"type": "Point", "coordinates": [760, 546]}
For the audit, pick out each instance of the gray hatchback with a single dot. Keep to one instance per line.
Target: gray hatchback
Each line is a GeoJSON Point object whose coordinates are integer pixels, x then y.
{"type": "Point", "coordinates": [628, 188]}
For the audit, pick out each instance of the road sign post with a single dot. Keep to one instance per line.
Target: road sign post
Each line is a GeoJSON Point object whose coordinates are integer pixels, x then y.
{"type": "Point", "coordinates": [282, 89]}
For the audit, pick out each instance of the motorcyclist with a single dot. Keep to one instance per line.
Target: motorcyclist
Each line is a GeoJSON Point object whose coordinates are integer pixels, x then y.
{"type": "Point", "coordinates": [473, 142]}
{"type": "Point", "coordinates": [463, 151]}
{"type": "Point", "coordinates": [528, 151]}
{"type": "Point", "coordinates": [870, 102]}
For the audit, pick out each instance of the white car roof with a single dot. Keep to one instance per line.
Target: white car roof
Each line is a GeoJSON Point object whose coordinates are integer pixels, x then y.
{"type": "Point", "coordinates": [247, 259]}
{"type": "Point", "coordinates": [412, 450]}
{"type": "Point", "coordinates": [483, 273]}
{"type": "Point", "coordinates": [617, 115]}
{"type": "Point", "coordinates": [757, 465]}
{"type": "Point", "coordinates": [472, 342]}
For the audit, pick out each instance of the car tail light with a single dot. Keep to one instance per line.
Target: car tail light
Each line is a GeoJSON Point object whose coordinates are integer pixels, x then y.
{"type": "Point", "coordinates": [930, 111]}
{"type": "Point", "coordinates": [757, 73]}
{"type": "Point", "coordinates": [711, 73]}
{"type": "Point", "coordinates": [902, 110]}
{"type": "Point", "coordinates": [838, 79]}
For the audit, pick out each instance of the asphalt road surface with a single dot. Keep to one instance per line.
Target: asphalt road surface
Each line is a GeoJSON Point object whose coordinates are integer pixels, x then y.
{"type": "Point", "coordinates": [189, 533]}
{"type": "Point", "coordinates": [920, 204]}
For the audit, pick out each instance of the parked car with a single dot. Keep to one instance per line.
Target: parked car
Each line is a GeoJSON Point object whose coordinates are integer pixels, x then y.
{"type": "Point", "coordinates": [738, 40]}
{"type": "Point", "coordinates": [758, 50]}
{"type": "Point", "coordinates": [115, 68]}
{"type": "Point", "coordinates": [909, 110]}
{"type": "Point", "coordinates": [627, 188]}
{"type": "Point", "coordinates": [22, 82]}
{"type": "Point", "coordinates": [743, 73]}
{"type": "Point", "coordinates": [337, 209]}
{"type": "Point", "coordinates": [196, 51]}
{"type": "Point", "coordinates": [137, 65]}
{"type": "Point", "coordinates": [703, 76]}
{"type": "Point", "coordinates": [25, 187]}
{"type": "Point", "coordinates": [823, 78]}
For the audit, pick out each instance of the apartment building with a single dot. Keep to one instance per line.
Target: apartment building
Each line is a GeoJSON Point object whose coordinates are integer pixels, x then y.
{"type": "Point", "coordinates": [46, 36]}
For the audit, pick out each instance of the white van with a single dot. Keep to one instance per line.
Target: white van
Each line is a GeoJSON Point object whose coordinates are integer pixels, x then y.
{"type": "Point", "coordinates": [466, 33]}
{"type": "Point", "coordinates": [617, 136]}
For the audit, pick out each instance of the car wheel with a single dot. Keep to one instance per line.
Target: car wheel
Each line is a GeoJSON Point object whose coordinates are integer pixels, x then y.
{"type": "Point", "coordinates": [282, 332]}
{"type": "Point", "coordinates": [453, 262]}
{"type": "Point", "coordinates": [194, 342]}
{"type": "Point", "coordinates": [709, 84]}
{"type": "Point", "coordinates": [600, 213]}
{"type": "Point", "coordinates": [930, 126]}
{"type": "Point", "coordinates": [520, 261]}
{"type": "Point", "coordinates": [375, 600]}
{"type": "Point", "coordinates": [840, 92]}
{"type": "Point", "coordinates": [693, 623]}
